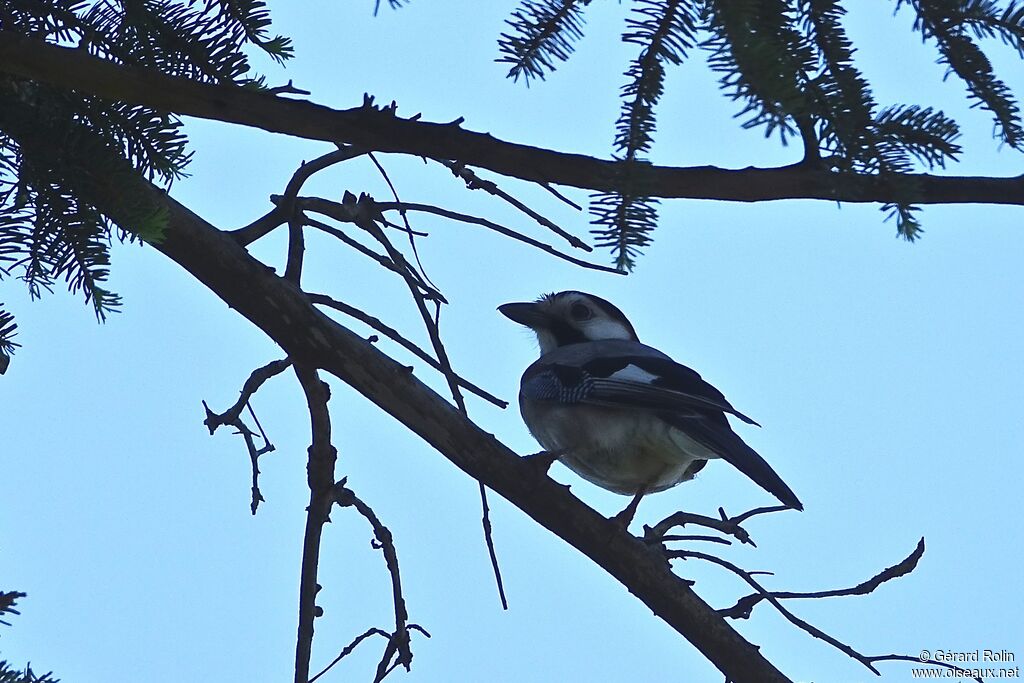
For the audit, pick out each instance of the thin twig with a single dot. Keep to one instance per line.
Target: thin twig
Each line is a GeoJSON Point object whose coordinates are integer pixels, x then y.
{"type": "Point", "coordinates": [560, 196]}
{"type": "Point", "coordinates": [347, 650]}
{"type": "Point", "coordinates": [320, 478]}
{"type": "Point", "coordinates": [489, 540]}
{"type": "Point", "coordinates": [232, 416]}
{"type": "Point", "coordinates": [445, 366]}
{"type": "Point", "coordinates": [696, 537]}
{"type": "Point", "coordinates": [792, 618]}
{"type": "Point", "coordinates": [475, 182]}
{"type": "Point", "coordinates": [394, 335]}
{"type": "Point", "coordinates": [398, 642]}
{"type": "Point", "coordinates": [497, 227]}
{"type": "Point", "coordinates": [746, 604]}
{"type": "Point", "coordinates": [725, 524]}
{"type": "Point", "coordinates": [408, 228]}
{"type": "Point", "coordinates": [383, 261]}
{"type": "Point", "coordinates": [285, 209]}
{"type": "Point", "coordinates": [340, 215]}
{"type": "Point", "coordinates": [251, 386]}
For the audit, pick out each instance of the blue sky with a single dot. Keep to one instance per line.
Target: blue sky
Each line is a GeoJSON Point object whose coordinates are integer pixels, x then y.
{"type": "Point", "coordinates": [888, 377]}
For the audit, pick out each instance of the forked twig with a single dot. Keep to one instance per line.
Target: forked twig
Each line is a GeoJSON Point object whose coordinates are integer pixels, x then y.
{"type": "Point", "coordinates": [398, 646]}
{"type": "Point", "coordinates": [369, 224]}
{"type": "Point", "coordinates": [232, 417]}
{"type": "Point", "coordinates": [475, 182]}
{"type": "Point", "coordinates": [394, 335]}
{"type": "Point", "coordinates": [745, 605]}
{"type": "Point", "coordinates": [774, 597]}
{"type": "Point", "coordinates": [725, 524]}
{"type": "Point", "coordinates": [497, 227]}
{"type": "Point", "coordinates": [284, 210]}
{"type": "Point", "coordinates": [384, 261]}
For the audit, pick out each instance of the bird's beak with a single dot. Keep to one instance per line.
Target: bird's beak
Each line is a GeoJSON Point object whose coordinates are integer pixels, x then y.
{"type": "Point", "coordinates": [529, 315]}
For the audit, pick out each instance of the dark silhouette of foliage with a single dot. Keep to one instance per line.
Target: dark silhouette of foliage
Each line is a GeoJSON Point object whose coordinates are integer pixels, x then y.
{"type": "Point", "coordinates": [791, 66]}
{"type": "Point", "coordinates": [57, 147]}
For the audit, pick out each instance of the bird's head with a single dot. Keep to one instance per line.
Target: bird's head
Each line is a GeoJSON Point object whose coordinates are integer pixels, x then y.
{"type": "Point", "coordinates": [570, 318]}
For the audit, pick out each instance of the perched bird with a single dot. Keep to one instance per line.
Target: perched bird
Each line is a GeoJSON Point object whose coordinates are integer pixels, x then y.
{"type": "Point", "coordinates": [619, 413]}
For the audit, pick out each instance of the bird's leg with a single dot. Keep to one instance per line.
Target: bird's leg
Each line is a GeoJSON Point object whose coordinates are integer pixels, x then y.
{"type": "Point", "coordinates": [626, 516]}
{"type": "Point", "coordinates": [544, 459]}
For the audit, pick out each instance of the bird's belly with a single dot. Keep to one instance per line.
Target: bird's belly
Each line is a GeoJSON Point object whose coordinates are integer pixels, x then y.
{"type": "Point", "coordinates": [621, 451]}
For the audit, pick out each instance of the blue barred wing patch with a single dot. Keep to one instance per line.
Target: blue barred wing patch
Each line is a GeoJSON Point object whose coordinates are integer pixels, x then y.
{"type": "Point", "coordinates": [548, 385]}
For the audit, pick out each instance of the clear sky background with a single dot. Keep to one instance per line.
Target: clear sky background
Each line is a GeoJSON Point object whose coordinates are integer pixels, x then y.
{"type": "Point", "coordinates": [888, 377]}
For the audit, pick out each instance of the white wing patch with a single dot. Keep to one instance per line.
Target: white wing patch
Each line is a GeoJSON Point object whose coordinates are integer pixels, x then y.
{"type": "Point", "coordinates": [633, 373]}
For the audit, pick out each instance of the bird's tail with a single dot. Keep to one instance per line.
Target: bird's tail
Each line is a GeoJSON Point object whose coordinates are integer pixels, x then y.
{"type": "Point", "coordinates": [749, 462]}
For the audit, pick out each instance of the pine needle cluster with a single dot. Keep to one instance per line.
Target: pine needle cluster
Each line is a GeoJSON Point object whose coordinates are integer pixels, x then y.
{"type": "Point", "coordinates": [790, 66]}
{"type": "Point", "coordinates": [57, 148]}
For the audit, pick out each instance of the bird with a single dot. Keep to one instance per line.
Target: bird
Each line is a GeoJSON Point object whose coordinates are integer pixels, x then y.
{"type": "Point", "coordinates": [619, 413]}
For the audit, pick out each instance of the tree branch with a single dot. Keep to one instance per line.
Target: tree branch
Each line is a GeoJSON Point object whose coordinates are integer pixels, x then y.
{"type": "Point", "coordinates": [287, 316]}
{"type": "Point", "coordinates": [377, 129]}
{"type": "Point", "coordinates": [745, 605]}
{"type": "Point", "coordinates": [320, 476]}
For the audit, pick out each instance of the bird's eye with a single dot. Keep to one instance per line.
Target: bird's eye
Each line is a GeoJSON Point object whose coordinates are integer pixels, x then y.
{"type": "Point", "coordinates": [581, 312]}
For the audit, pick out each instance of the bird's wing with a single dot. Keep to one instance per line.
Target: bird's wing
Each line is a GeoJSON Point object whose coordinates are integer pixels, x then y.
{"type": "Point", "coordinates": [627, 381]}
{"type": "Point", "coordinates": [676, 393]}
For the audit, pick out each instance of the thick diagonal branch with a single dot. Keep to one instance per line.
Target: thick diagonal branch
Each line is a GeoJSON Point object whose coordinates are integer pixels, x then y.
{"type": "Point", "coordinates": [376, 129]}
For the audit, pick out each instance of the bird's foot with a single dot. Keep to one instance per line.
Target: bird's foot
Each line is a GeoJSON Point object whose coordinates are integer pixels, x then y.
{"type": "Point", "coordinates": [543, 460]}
{"type": "Point", "coordinates": [623, 519]}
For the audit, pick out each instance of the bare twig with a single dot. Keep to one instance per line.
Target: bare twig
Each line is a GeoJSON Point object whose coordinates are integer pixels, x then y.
{"type": "Point", "coordinates": [348, 649]}
{"type": "Point", "coordinates": [398, 641]}
{"type": "Point", "coordinates": [320, 477]}
{"type": "Point", "coordinates": [489, 540]}
{"type": "Point", "coordinates": [369, 224]}
{"type": "Point", "coordinates": [363, 212]}
{"type": "Point", "coordinates": [383, 261]}
{"type": "Point", "coordinates": [232, 416]}
{"type": "Point", "coordinates": [251, 386]}
{"type": "Point", "coordinates": [744, 606]}
{"type": "Point", "coordinates": [348, 213]}
{"type": "Point", "coordinates": [284, 210]}
{"type": "Point", "coordinates": [497, 227]}
{"type": "Point", "coordinates": [475, 182]}
{"type": "Point", "coordinates": [405, 220]}
{"type": "Point", "coordinates": [340, 215]}
{"type": "Point", "coordinates": [770, 597]}
{"type": "Point", "coordinates": [696, 537]}
{"type": "Point", "coordinates": [394, 335]}
{"type": "Point", "coordinates": [263, 225]}
{"type": "Point", "coordinates": [560, 196]}
{"type": "Point", "coordinates": [725, 524]}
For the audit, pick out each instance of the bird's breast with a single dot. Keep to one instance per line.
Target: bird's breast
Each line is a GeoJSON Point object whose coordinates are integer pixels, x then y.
{"type": "Point", "coordinates": [618, 450]}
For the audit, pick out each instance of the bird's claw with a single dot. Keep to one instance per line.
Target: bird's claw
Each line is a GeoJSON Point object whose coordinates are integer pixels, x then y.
{"type": "Point", "coordinates": [543, 460]}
